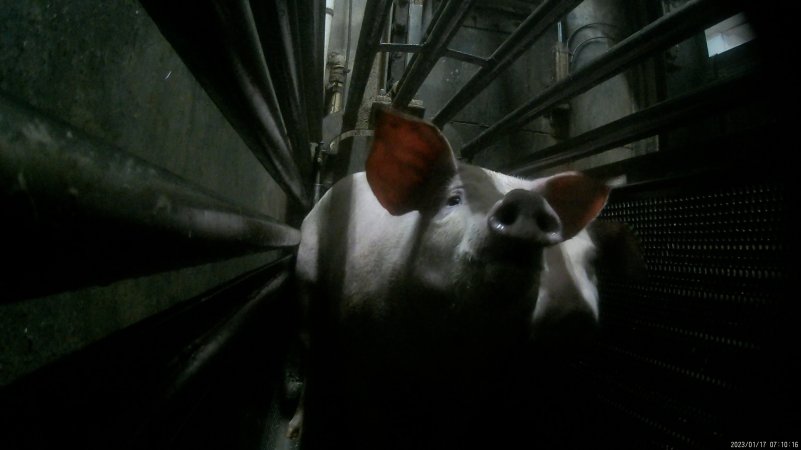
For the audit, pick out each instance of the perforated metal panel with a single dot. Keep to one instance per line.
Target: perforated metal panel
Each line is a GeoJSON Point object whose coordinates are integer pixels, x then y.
{"type": "Point", "coordinates": [692, 355]}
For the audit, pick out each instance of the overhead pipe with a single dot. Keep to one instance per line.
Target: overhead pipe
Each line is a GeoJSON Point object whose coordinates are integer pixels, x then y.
{"type": "Point", "coordinates": [659, 35]}
{"type": "Point", "coordinates": [435, 45]}
{"type": "Point", "coordinates": [539, 21]}
{"type": "Point", "coordinates": [78, 213]}
{"type": "Point", "coordinates": [662, 116]}
{"type": "Point", "coordinates": [376, 13]}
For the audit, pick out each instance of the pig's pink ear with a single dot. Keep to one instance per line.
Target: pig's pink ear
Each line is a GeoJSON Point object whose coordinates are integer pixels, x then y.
{"type": "Point", "coordinates": [409, 157]}
{"type": "Point", "coordinates": [576, 198]}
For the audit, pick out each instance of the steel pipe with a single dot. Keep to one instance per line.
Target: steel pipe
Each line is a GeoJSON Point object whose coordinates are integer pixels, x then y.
{"type": "Point", "coordinates": [78, 213]}
{"type": "Point", "coordinates": [660, 34]}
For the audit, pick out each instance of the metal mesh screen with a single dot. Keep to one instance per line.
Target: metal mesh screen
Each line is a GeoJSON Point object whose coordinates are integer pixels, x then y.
{"type": "Point", "coordinates": [693, 355]}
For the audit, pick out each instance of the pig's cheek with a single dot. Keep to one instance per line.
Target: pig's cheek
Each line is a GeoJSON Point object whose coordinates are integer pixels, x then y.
{"type": "Point", "coordinates": [438, 259]}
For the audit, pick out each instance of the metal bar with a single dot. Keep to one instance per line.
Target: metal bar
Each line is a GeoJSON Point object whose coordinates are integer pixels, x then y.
{"type": "Point", "coordinates": [375, 17]}
{"type": "Point", "coordinates": [138, 386]}
{"type": "Point", "coordinates": [399, 47]}
{"type": "Point", "coordinates": [311, 20]}
{"type": "Point", "coordinates": [449, 53]}
{"type": "Point", "coordinates": [647, 122]}
{"type": "Point", "coordinates": [660, 34]}
{"type": "Point", "coordinates": [466, 57]}
{"type": "Point", "coordinates": [218, 42]}
{"type": "Point", "coordinates": [78, 213]}
{"type": "Point", "coordinates": [415, 28]}
{"type": "Point", "coordinates": [539, 21]}
{"type": "Point", "coordinates": [435, 45]}
{"type": "Point", "coordinates": [279, 40]}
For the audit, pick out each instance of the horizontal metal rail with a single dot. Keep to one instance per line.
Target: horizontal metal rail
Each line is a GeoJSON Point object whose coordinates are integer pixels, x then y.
{"type": "Point", "coordinates": [449, 53]}
{"type": "Point", "coordinates": [662, 116]}
{"type": "Point", "coordinates": [139, 386]}
{"type": "Point", "coordinates": [375, 17]}
{"type": "Point", "coordinates": [435, 45]}
{"type": "Point", "coordinates": [78, 213]}
{"type": "Point", "coordinates": [508, 52]}
{"type": "Point", "coordinates": [660, 34]}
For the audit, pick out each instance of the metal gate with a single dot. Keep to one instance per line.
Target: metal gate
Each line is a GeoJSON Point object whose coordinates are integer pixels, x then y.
{"type": "Point", "coordinates": [697, 353]}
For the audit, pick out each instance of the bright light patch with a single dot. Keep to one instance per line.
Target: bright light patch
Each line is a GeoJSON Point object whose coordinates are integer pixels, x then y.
{"type": "Point", "coordinates": [728, 34]}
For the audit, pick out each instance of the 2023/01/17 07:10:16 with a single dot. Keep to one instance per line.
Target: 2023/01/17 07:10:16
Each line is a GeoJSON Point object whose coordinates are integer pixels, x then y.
{"type": "Point", "coordinates": [764, 444]}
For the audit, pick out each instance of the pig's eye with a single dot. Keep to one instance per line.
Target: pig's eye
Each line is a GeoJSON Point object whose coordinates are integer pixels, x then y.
{"type": "Point", "coordinates": [454, 199]}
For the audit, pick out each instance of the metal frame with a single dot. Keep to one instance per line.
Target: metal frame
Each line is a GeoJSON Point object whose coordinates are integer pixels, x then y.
{"type": "Point", "coordinates": [73, 204]}
{"type": "Point", "coordinates": [662, 33]}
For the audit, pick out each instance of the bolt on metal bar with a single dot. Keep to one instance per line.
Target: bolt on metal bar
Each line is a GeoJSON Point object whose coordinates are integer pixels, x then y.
{"type": "Point", "coordinates": [660, 34]}
{"type": "Point", "coordinates": [659, 117]}
{"type": "Point", "coordinates": [78, 213]}
{"type": "Point", "coordinates": [375, 17]}
{"type": "Point", "coordinates": [435, 45]}
{"type": "Point", "coordinates": [508, 52]}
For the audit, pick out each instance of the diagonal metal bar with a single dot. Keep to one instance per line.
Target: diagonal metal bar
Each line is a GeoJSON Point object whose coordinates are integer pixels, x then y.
{"type": "Point", "coordinates": [218, 41]}
{"type": "Point", "coordinates": [508, 52]}
{"type": "Point", "coordinates": [660, 34]}
{"type": "Point", "coordinates": [375, 17]}
{"type": "Point", "coordinates": [279, 41]}
{"type": "Point", "coordinates": [442, 30]}
{"type": "Point", "coordinates": [652, 120]}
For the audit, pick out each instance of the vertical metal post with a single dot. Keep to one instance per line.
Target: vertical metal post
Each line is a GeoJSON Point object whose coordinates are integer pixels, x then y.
{"type": "Point", "coordinates": [375, 17]}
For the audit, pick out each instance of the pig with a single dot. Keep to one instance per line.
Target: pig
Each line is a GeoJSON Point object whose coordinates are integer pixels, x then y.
{"type": "Point", "coordinates": [420, 279]}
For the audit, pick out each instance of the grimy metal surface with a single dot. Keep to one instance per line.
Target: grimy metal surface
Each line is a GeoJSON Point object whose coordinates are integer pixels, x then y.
{"type": "Point", "coordinates": [79, 213]}
{"type": "Point", "coordinates": [663, 32]}
{"type": "Point", "coordinates": [219, 42]}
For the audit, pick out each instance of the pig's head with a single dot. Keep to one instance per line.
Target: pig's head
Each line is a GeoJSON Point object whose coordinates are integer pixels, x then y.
{"type": "Point", "coordinates": [482, 233]}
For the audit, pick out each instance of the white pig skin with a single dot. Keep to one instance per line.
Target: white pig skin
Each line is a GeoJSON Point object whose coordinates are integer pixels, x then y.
{"type": "Point", "coordinates": [410, 295]}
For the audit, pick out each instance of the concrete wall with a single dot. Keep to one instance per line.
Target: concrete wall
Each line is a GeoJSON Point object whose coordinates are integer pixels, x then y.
{"type": "Point", "coordinates": [104, 68]}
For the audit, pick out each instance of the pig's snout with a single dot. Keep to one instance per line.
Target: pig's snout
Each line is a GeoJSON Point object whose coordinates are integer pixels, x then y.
{"type": "Point", "coordinates": [524, 217]}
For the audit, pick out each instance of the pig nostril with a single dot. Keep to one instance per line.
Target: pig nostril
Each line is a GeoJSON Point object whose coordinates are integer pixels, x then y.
{"type": "Point", "coordinates": [547, 223]}
{"type": "Point", "coordinates": [507, 214]}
